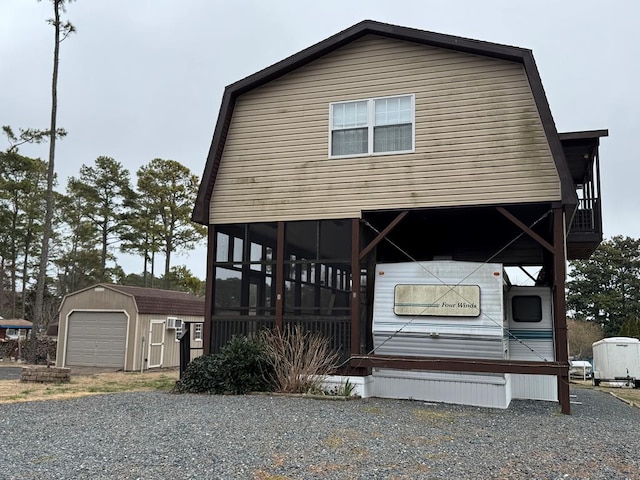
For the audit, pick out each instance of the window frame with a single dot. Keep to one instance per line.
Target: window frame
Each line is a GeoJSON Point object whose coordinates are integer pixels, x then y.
{"type": "Point", "coordinates": [371, 126]}
{"type": "Point", "coordinates": [519, 319]}
{"type": "Point", "coordinates": [178, 331]}
{"type": "Point", "coordinates": [197, 332]}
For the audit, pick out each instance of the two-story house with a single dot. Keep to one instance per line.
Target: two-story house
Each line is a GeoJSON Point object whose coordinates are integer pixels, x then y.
{"type": "Point", "coordinates": [384, 145]}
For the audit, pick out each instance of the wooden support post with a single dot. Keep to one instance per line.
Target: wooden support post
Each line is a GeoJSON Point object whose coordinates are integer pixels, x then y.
{"type": "Point", "coordinates": [280, 276]}
{"type": "Point", "coordinates": [560, 308]}
{"type": "Point", "coordinates": [210, 285]}
{"type": "Point", "coordinates": [355, 286]}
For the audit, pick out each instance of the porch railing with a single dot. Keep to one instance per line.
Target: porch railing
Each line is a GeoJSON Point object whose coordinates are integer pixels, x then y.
{"type": "Point", "coordinates": [336, 328]}
{"type": "Point", "coordinates": [587, 217]}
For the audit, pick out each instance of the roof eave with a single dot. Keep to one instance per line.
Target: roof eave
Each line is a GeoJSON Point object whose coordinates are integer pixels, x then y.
{"type": "Point", "coordinates": [583, 135]}
{"type": "Point", "coordinates": [568, 195]}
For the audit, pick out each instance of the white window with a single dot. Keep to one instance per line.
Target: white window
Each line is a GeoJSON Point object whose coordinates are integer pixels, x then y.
{"type": "Point", "coordinates": [197, 332]}
{"type": "Point", "coordinates": [372, 127]}
{"type": "Point", "coordinates": [178, 329]}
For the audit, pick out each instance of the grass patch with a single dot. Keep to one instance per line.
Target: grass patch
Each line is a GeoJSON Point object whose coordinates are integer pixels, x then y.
{"type": "Point", "coordinates": [51, 391]}
{"type": "Point", "coordinates": [44, 459]}
{"type": "Point", "coordinates": [107, 389]}
{"type": "Point", "coordinates": [262, 475]}
{"type": "Point", "coordinates": [433, 418]}
{"type": "Point", "coordinates": [373, 410]}
{"type": "Point", "coordinates": [334, 441]}
{"type": "Point", "coordinates": [16, 398]}
{"type": "Point", "coordinates": [345, 439]}
{"type": "Point", "coordinates": [82, 385]}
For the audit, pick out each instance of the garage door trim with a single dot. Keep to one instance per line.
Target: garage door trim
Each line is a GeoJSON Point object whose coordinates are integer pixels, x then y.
{"type": "Point", "coordinates": [89, 310]}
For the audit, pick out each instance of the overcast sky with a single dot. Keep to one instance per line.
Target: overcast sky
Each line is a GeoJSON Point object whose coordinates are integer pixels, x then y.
{"type": "Point", "coordinates": [143, 79]}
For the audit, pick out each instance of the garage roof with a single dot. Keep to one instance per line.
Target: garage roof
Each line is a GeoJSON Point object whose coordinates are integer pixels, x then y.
{"type": "Point", "coordinates": [165, 302]}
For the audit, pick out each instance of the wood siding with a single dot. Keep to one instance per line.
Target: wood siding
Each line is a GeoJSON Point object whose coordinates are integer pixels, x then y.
{"type": "Point", "coordinates": [479, 138]}
{"type": "Point", "coordinates": [171, 353]}
{"type": "Point", "coordinates": [92, 300]}
{"type": "Point", "coordinates": [108, 300]}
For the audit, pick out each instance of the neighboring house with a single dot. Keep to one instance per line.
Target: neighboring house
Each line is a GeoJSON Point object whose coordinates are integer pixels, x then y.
{"type": "Point", "coordinates": [384, 144]}
{"type": "Point", "coordinates": [14, 328]}
{"type": "Point", "coordinates": [130, 328]}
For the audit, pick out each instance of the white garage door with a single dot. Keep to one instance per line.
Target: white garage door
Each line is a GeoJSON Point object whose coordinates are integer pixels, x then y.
{"type": "Point", "coordinates": [96, 339]}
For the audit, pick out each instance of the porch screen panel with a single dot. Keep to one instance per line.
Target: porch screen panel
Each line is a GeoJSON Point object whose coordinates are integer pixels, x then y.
{"type": "Point", "coordinates": [317, 266]}
{"type": "Point", "coordinates": [244, 290]}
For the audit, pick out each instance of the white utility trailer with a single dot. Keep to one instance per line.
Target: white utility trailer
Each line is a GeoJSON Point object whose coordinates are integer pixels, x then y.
{"type": "Point", "coordinates": [617, 359]}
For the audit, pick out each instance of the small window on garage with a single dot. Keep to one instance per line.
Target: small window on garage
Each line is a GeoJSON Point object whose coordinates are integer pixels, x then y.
{"type": "Point", "coordinates": [178, 329]}
{"type": "Point", "coordinates": [526, 308]}
{"type": "Point", "coordinates": [197, 332]}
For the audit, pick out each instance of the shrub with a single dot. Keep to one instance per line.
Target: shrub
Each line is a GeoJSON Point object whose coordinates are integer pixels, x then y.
{"type": "Point", "coordinates": [240, 367]}
{"type": "Point", "coordinates": [202, 375]}
{"type": "Point", "coordinates": [244, 365]}
{"type": "Point", "coordinates": [300, 360]}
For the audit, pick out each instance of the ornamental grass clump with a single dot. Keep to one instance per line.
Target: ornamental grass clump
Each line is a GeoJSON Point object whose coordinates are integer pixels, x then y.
{"type": "Point", "coordinates": [299, 360]}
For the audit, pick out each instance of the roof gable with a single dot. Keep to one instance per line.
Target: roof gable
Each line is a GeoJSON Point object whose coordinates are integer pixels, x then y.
{"type": "Point", "coordinates": [504, 52]}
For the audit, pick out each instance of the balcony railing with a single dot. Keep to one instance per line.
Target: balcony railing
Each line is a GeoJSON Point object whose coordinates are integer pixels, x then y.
{"type": "Point", "coordinates": [587, 217]}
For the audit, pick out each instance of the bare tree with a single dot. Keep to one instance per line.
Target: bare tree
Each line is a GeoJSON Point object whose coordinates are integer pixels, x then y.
{"type": "Point", "coordinates": [582, 334]}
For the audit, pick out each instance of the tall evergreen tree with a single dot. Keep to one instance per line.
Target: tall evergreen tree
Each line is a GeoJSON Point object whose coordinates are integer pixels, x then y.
{"type": "Point", "coordinates": [78, 258]}
{"type": "Point", "coordinates": [61, 31]}
{"type": "Point", "coordinates": [169, 191]}
{"type": "Point", "coordinates": [606, 288]}
{"type": "Point", "coordinates": [22, 193]}
{"type": "Point", "coordinates": [142, 236]}
{"type": "Point", "coordinates": [102, 193]}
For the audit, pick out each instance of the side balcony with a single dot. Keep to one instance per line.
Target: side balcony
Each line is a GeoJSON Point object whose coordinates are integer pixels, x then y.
{"type": "Point", "coordinates": [581, 151]}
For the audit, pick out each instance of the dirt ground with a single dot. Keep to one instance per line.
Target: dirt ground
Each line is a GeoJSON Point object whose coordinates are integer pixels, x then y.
{"type": "Point", "coordinates": [87, 382]}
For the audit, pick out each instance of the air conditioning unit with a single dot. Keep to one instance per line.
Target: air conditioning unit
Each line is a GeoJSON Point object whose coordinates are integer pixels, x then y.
{"type": "Point", "coordinates": [174, 323]}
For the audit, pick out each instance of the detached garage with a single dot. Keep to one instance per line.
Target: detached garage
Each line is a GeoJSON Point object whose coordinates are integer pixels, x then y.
{"type": "Point", "coordinates": [129, 328]}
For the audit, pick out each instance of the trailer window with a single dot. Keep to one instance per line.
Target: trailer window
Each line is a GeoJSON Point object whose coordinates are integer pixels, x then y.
{"type": "Point", "coordinates": [526, 308]}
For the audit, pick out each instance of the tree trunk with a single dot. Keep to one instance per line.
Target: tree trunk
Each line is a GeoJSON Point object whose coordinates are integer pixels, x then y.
{"type": "Point", "coordinates": [167, 267]}
{"type": "Point", "coordinates": [144, 268]}
{"type": "Point", "coordinates": [48, 217]}
{"type": "Point", "coordinates": [14, 261]}
{"type": "Point", "coordinates": [153, 266]}
{"type": "Point", "coordinates": [103, 253]}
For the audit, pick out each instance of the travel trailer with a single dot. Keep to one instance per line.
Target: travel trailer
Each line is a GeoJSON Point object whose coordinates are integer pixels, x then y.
{"type": "Point", "coordinates": [452, 309]}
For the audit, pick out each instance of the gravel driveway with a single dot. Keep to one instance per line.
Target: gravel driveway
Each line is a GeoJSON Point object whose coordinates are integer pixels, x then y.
{"type": "Point", "coordinates": [159, 435]}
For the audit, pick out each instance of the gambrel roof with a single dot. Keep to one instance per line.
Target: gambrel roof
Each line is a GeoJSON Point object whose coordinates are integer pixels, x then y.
{"type": "Point", "coordinates": [157, 301]}
{"type": "Point", "coordinates": [368, 27]}
{"type": "Point", "coordinates": [167, 302]}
